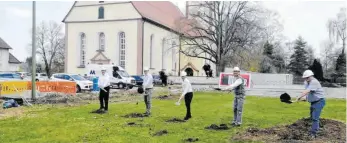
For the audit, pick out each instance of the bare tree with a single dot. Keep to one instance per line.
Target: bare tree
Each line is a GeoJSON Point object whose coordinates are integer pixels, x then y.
{"type": "Point", "coordinates": [50, 44]}
{"type": "Point", "coordinates": [327, 55]}
{"type": "Point", "coordinates": [221, 28]}
{"type": "Point", "coordinates": [337, 28]}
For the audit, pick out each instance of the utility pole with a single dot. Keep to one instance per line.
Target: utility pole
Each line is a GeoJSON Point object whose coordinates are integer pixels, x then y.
{"type": "Point", "coordinates": [33, 70]}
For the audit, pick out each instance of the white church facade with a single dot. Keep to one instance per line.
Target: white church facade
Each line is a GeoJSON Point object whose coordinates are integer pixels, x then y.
{"type": "Point", "coordinates": [131, 34]}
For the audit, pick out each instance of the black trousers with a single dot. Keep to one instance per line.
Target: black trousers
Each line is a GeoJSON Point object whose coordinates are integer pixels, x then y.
{"type": "Point", "coordinates": [188, 99]}
{"type": "Point", "coordinates": [103, 97]}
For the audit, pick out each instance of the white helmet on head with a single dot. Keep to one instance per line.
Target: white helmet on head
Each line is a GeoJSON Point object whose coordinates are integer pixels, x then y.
{"type": "Point", "coordinates": [103, 69]}
{"type": "Point", "coordinates": [236, 69]}
{"type": "Point", "coordinates": [183, 73]}
{"type": "Point", "coordinates": [145, 69]}
{"type": "Point", "coordinates": [307, 73]}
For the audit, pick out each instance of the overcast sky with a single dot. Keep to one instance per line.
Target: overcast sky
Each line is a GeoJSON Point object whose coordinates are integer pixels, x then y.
{"type": "Point", "coordinates": [305, 18]}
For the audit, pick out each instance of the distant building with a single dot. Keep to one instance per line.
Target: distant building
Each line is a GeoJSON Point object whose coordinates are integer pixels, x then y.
{"type": "Point", "coordinates": [8, 63]}
{"type": "Point", "coordinates": [131, 34]}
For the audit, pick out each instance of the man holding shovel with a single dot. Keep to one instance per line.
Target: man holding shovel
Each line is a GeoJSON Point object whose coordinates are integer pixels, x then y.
{"type": "Point", "coordinates": [147, 85]}
{"type": "Point", "coordinates": [187, 93]}
{"type": "Point", "coordinates": [104, 85]}
{"type": "Point", "coordinates": [239, 90]}
{"type": "Point", "coordinates": [315, 95]}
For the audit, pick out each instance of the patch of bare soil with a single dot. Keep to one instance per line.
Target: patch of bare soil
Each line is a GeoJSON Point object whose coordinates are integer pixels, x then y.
{"type": "Point", "coordinates": [330, 131]}
{"type": "Point", "coordinates": [164, 97]}
{"type": "Point", "coordinates": [161, 132]}
{"type": "Point", "coordinates": [191, 139]}
{"type": "Point", "coordinates": [58, 98]}
{"type": "Point", "coordinates": [216, 127]}
{"type": "Point", "coordinates": [11, 112]}
{"type": "Point", "coordinates": [135, 115]}
{"type": "Point", "coordinates": [176, 120]}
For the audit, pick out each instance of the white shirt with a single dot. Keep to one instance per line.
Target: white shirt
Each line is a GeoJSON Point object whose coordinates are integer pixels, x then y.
{"type": "Point", "coordinates": [147, 81]}
{"type": "Point", "coordinates": [104, 81]}
{"type": "Point", "coordinates": [235, 84]}
{"type": "Point", "coordinates": [186, 87]}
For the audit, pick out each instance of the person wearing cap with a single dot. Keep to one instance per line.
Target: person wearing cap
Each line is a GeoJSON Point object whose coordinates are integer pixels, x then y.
{"type": "Point", "coordinates": [148, 86]}
{"type": "Point", "coordinates": [314, 94]}
{"type": "Point", "coordinates": [104, 85]}
{"type": "Point", "coordinates": [239, 90]}
{"type": "Point", "coordinates": [187, 93]}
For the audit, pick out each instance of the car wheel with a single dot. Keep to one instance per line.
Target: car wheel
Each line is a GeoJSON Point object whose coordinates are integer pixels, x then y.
{"type": "Point", "coordinates": [78, 89]}
{"type": "Point", "coordinates": [130, 86]}
{"type": "Point", "coordinates": [37, 79]}
{"type": "Point", "coordinates": [121, 85]}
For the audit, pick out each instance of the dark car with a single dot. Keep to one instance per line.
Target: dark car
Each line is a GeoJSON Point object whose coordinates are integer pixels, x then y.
{"type": "Point", "coordinates": [138, 79]}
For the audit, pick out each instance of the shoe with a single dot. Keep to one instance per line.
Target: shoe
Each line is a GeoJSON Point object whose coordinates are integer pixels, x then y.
{"type": "Point", "coordinates": [105, 111]}
{"type": "Point", "coordinates": [147, 114]}
{"type": "Point", "coordinates": [187, 117]}
{"type": "Point", "coordinates": [312, 136]}
{"type": "Point", "coordinates": [236, 125]}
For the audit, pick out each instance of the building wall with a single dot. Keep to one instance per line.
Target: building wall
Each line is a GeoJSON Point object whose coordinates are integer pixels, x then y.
{"type": "Point", "coordinates": [111, 31]}
{"type": "Point", "coordinates": [4, 57]}
{"type": "Point", "coordinates": [13, 67]}
{"type": "Point", "coordinates": [160, 34]}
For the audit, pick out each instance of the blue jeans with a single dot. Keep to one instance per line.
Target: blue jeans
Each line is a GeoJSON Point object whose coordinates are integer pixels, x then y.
{"type": "Point", "coordinates": [315, 111]}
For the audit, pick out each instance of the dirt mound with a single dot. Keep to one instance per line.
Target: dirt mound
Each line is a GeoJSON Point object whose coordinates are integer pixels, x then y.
{"type": "Point", "coordinates": [191, 139]}
{"type": "Point", "coordinates": [161, 132]}
{"type": "Point", "coordinates": [330, 130]}
{"type": "Point", "coordinates": [175, 120]}
{"type": "Point", "coordinates": [58, 98]}
{"type": "Point", "coordinates": [135, 115]}
{"type": "Point", "coordinates": [216, 127]}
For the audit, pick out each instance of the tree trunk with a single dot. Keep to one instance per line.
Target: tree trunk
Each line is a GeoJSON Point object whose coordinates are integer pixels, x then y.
{"type": "Point", "coordinates": [220, 67]}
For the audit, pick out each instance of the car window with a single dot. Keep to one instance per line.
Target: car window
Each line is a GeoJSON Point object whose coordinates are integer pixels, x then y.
{"type": "Point", "coordinates": [67, 77]}
{"type": "Point", "coordinates": [77, 77]}
{"type": "Point", "coordinates": [43, 74]}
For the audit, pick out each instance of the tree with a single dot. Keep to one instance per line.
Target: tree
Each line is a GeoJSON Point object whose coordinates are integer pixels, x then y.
{"type": "Point", "coordinates": [219, 29]}
{"type": "Point", "coordinates": [341, 65]}
{"type": "Point", "coordinates": [310, 54]}
{"type": "Point", "coordinates": [317, 69]}
{"type": "Point", "coordinates": [337, 28]}
{"type": "Point", "coordinates": [298, 61]}
{"type": "Point", "coordinates": [50, 44]}
{"type": "Point", "coordinates": [327, 56]}
{"type": "Point", "coordinates": [268, 49]}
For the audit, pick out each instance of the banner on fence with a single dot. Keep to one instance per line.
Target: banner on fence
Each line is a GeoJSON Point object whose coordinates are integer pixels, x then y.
{"type": "Point", "coordinates": [226, 79]}
{"type": "Point", "coordinates": [19, 87]}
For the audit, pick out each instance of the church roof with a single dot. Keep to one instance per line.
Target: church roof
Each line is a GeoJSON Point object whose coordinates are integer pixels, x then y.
{"type": "Point", "coordinates": [161, 12]}
{"type": "Point", "coordinates": [4, 45]}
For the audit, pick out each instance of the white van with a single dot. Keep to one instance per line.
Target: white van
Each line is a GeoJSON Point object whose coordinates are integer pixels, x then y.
{"type": "Point", "coordinates": [119, 77]}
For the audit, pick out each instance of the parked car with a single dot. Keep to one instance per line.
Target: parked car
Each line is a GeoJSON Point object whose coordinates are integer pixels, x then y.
{"type": "Point", "coordinates": [138, 79]}
{"type": "Point", "coordinates": [10, 76]}
{"type": "Point", "coordinates": [41, 77]}
{"type": "Point", "coordinates": [82, 84]}
{"type": "Point", "coordinates": [157, 80]}
{"type": "Point", "coordinates": [24, 74]}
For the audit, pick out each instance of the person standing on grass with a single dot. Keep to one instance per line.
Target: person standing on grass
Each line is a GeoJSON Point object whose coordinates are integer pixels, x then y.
{"type": "Point", "coordinates": [148, 87]}
{"type": "Point", "coordinates": [187, 93]}
{"type": "Point", "coordinates": [104, 85]}
{"type": "Point", "coordinates": [239, 90]}
{"type": "Point", "coordinates": [315, 95]}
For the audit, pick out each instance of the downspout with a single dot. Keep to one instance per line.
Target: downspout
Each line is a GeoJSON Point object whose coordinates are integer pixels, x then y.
{"type": "Point", "coordinates": [179, 56]}
{"type": "Point", "coordinates": [143, 29]}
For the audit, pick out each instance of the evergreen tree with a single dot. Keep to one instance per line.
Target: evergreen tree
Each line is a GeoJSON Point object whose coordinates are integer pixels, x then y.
{"type": "Point", "coordinates": [317, 69]}
{"type": "Point", "coordinates": [268, 49]}
{"type": "Point", "coordinates": [341, 65]}
{"type": "Point", "coordinates": [299, 60]}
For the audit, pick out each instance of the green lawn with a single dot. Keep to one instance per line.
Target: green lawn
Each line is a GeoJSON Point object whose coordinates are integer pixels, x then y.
{"type": "Point", "coordinates": [76, 124]}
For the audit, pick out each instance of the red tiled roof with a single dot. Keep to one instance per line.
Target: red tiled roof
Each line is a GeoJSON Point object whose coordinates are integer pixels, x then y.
{"type": "Point", "coordinates": [162, 12]}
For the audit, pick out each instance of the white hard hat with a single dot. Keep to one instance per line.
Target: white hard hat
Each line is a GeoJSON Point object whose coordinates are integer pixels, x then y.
{"type": "Point", "coordinates": [236, 69]}
{"type": "Point", "coordinates": [183, 73]}
{"type": "Point", "coordinates": [103, 69]}
{"type": "Point", "coordinates": [307, 73]}
{"type": "Point", "coordinates": [145, 69]}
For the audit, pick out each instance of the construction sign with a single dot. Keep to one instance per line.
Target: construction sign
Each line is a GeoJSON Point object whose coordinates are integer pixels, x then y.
{"type": "Point", "coordinates": [19, 87]}
{"type": "Point", "coordinates": [226, 79]}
